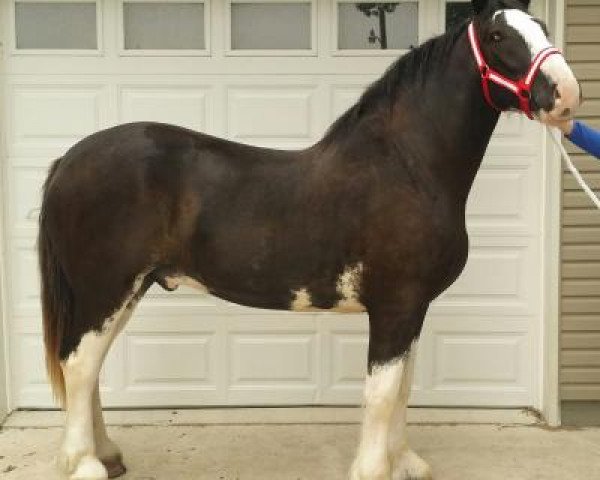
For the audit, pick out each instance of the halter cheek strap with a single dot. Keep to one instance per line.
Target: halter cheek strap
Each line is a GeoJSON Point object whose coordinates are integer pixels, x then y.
{"type": "Point", "coordinates": [521, 88]}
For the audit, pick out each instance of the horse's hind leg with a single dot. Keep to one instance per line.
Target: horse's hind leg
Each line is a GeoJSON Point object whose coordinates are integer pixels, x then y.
{"type": "Point", "coordinates": [107, 451]}
{"type": "Point", "coordinates": [390, 369]}
{"type": "Point", "coordinates": [406, 463]}
{"type": "Point", "coordinates": [87, 452]}
{"type": "Point", "coordinates": [78, 453]}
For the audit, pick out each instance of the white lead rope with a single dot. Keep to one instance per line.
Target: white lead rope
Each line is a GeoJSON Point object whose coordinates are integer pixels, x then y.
{"type": "Point", "coordinates": [573, 169]}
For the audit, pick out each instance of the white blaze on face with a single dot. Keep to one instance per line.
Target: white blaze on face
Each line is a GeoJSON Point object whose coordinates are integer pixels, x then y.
{"type": "Point", "coordinates": [531, 31]}
{"type": "Point", "coordinates": [554, 67]}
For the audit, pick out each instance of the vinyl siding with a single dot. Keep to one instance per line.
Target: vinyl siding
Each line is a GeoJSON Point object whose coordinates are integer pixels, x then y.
{"type": "Point", "coordinates": [580, 322]}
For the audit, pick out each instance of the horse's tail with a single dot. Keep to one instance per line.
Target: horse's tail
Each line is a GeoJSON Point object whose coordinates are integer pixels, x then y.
{"type": "Point", "coordinates": [57, 298]}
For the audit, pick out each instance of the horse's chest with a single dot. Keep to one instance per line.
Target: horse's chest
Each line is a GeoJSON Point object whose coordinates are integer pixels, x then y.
{"type": "Point", "coordinates": [428, 249]}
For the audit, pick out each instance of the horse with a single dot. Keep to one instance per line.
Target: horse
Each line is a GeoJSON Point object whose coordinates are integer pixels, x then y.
{"type": "Point", "coordinates": [371, 218]}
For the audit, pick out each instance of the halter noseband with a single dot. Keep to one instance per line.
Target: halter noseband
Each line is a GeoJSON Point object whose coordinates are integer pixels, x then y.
{"type": "Point", "coordinates": [521, 88]}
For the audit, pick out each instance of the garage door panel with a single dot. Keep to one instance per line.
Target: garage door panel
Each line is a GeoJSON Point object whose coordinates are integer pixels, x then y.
{"type": "Point", "coordinates": [273, 115]}
{"type": "Point", "coordinates": [31, 364]}
{"type": "Point", "coordinates": [25, 199]}
{"type": "Point", "coordinates": [344, 343]}
{"type": "Point", "coordinates": [475, 360]}
{"type": "Point", "coordinates": [272, 360]}
{"type": "Point", "coordinates": [31, 387]}
{"type": "Point", "coordinates": [515, 136]}
{"type": "Point", "coordinates": [189, 107]}
{"type": "Point", "coordinates": [48, 119]}
{"type": "Point", "coordinates": [349, 351]}
{"type": "Point", "coordinates": [343, 97]}
{"type": "Point", "coordinates": [29, 382]}
{"type": "Point", "coordinates": [267, 358]}
{"type": "Point", "coordinates": [345, 363]}
{"type": "Point", "coordinates": [497, 277]}
{"type": "Point", "coordinates": [169, 361]}
{"type": "Point", "coordinates": [465, 360]}
{"type": "Point", "coordinates": [499, 203]}
{"type": "Point", "coordinates": [24, 292]}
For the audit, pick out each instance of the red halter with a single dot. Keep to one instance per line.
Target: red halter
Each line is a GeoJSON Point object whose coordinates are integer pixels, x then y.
{"type": "Point", "coordinates": [521, 88]}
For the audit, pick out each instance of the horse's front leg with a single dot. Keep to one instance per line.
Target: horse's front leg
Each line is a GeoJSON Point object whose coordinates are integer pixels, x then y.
{"type": "Point", "coordinates": [407, 465]}
{"type": "Point", "coordinates": [383, 444]}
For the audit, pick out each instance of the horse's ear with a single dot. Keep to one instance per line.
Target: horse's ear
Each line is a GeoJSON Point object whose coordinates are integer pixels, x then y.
{"type": "Point", "coordinates": [511, 4]}
{"type": "Point", "coordinates": [479, 5]}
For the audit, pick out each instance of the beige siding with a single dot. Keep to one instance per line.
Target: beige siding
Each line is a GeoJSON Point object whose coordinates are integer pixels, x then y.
{"type": "Point", "coordinates": [580, 338]}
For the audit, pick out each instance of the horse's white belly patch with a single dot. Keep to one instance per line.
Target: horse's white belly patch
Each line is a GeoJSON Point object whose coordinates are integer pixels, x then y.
{"type": "Point", "coordinates": [347, 286]}
{"type": "Point", "coordinates": [174, 282]}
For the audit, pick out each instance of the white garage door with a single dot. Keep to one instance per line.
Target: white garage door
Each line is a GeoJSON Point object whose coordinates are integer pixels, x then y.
{"type": "Point", "coordinates": [272, 73]}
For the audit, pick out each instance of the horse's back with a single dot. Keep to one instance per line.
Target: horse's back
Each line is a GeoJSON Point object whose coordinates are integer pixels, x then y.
{"type": "Point", "coordinates": [119, 198]}
{"type": "Point", "coordinates": [146, 196]}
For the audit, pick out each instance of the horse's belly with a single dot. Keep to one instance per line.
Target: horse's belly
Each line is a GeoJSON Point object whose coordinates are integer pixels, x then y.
{"type": "Point", "coordinates": [302, 302]}
{"type": "Point", "coordinates": [173, 282]}
{"type": "Point", "coordinates": [342, 295]}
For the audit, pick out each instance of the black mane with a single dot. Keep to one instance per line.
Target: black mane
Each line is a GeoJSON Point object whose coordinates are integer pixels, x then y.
{"type": "Point", "coordinates": [411, 69]}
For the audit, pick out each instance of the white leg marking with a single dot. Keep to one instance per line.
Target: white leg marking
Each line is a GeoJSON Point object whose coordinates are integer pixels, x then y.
{"type": "Point", "coordinates": [78, 455]}
{"type": "Point", "coordinates": [406, 463]}
{"type": "Point", "coordinates": [106, 450]}
{"type": "Point", "coordinates": [382, 388]}
{"type": "Point", "coordinates": [89, 468]}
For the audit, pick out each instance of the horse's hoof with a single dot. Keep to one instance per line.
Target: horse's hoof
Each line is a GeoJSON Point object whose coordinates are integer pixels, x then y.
{"type": "Point", "coordinates": [115, 467]}
{"type": "Point", "coordinates": [89, 468]}
{"type": "Point", "coordinates": [369, 472]}
{"type": "Point", "coordinates": [409, 466]}
{"type": "Point", "coordinates": [110, 455]}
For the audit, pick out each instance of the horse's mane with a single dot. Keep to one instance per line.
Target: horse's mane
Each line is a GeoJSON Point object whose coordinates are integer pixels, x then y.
{"type": "Point", "coordinates": [412, 68]}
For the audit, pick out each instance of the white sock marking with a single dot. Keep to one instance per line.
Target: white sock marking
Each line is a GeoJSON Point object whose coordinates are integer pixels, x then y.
{"type": "Point", "coordinates": [81, 371]}
{"type": "Point", "coordinates": [384, 443]}
{"type": "Point", "coordinates": [382, 388]}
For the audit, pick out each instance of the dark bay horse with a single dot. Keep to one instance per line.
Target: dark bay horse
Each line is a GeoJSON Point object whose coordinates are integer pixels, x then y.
{"type": "Point", "coordinates": [371, 218]}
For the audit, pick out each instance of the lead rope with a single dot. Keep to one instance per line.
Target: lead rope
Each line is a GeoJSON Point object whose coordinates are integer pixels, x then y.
{"type": "Point", "coordinates": [569, 163]}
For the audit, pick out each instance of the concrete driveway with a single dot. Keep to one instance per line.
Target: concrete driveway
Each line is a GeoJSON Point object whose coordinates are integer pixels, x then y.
{"type": "Point", "coordinates": [174, 449]}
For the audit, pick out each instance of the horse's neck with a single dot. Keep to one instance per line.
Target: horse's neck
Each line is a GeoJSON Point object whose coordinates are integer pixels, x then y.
{"type": "Point", "coordinates": [456, 122]}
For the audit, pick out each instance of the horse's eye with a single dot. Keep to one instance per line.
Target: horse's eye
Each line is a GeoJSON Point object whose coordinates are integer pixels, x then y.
{"type": "Point", "coordinates": [497, 37]}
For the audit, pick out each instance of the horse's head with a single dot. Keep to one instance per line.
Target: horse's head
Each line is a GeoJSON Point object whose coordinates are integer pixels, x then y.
{"type": "Point", "coordinates": [514, 44]}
